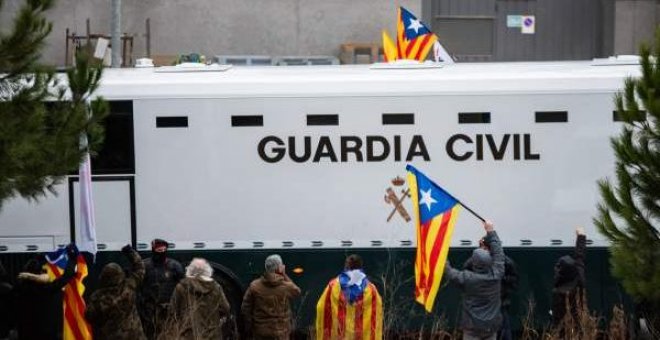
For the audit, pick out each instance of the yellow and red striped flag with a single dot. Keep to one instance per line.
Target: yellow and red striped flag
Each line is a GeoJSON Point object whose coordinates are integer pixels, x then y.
{"type": "Point", "coordinates": [414, 39]}
{"type": "Point", "coordinates": [75, 325]}
{"type": "Point", "coordinates": [389, 48]}
{"type": "Point", "coordinates": [349, 313]}
{"type": "Point", "coordinates": [435, 215]}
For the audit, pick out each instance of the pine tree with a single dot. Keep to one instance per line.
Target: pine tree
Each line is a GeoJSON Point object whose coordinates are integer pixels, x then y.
{"type": "Point", "coordinates": [41, 120]}
{"type": "Point", "coordinates": [629, 214]}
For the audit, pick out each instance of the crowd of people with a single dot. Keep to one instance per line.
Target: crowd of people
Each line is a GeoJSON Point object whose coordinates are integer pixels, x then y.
{"type": "Point", "coordinates": [156, 298]}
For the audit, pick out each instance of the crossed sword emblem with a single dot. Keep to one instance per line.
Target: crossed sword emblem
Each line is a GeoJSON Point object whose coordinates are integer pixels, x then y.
{"type": "Point", "coordinates": [392, 198]}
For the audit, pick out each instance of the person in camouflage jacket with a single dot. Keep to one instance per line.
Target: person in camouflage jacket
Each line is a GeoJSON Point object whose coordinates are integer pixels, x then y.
{"type": "Point", "coordinates": [111, 309]}
{"type": "Point", "coordinates": [198, 305]}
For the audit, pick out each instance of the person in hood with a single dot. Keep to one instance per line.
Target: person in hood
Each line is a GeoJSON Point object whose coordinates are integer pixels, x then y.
{"type": "Point", "coordinates": [198, 304]}
{"type": "Point", "coordinates": [266, 307]}
{"type": "Point", "coordinates": [570, 281]}
{"type": "Point", "coordinates": [362, 307]}
{"type": "Point", "coordinates": [509, 286]}
{"type": "Point", "coordinates": [111, 309]}
{"type": "Point", "coordinates": [38, 303]}
{"type": "Point", "coordinates": [481, 315]}
{"type": "Point", "coordinates": [162, 274]}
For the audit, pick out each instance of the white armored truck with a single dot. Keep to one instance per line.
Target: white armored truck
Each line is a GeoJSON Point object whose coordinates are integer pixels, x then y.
{"type": "Point", "coordinates": [233, 163]}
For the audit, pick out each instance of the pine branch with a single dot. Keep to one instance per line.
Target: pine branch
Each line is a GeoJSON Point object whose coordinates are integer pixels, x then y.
{"type": "Point", "coordinates": [39, 141]}
{"type": "Point", "coordinates": [629, 213]}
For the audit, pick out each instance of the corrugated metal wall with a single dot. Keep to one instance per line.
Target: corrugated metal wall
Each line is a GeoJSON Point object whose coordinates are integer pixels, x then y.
{"type": "Point", "coordinates": [476, 30]}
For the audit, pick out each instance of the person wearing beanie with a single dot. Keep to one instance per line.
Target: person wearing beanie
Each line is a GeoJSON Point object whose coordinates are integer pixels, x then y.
{"type": "Point", "coordinates": [570, 281]}
{"type": "Point", "coordinates": [111, 309]}
{"type": "Point", "coordinates": [481, 315]}
{"type": "Point", "coordinates": [162, 274]}
{"type": "Point", "coordinates": [198, 304]}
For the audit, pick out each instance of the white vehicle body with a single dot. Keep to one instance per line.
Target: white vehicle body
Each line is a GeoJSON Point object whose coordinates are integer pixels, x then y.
{"type": "Point", "coordinates": [212, 185]}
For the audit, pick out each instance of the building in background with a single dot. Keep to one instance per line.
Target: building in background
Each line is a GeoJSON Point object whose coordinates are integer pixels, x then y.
{"type": "Point", "coordinates": [472, 30]}
{"type": "Point", "coordinates": [512, 30]}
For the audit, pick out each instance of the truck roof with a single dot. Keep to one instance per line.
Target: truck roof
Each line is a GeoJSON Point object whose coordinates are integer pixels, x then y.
{"type": "Point", "coordinates": [367, 80]}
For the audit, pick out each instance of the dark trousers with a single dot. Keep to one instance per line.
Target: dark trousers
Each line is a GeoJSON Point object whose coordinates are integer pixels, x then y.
{"type": "Point", "coordinates": [153, 320]}
{"type": "Point", "coordinates": [505, 331]}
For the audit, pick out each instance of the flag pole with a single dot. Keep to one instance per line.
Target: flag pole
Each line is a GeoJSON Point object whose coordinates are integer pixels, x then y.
{"type": "Point", "coordinates": [472, 211]}
{"type": "Point", "coordinates": [409, 167]}
{"type": "Point", "coordinates": [461, 203]}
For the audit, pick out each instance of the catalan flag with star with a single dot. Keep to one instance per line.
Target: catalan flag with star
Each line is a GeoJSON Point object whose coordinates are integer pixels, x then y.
{"type": "Point", "coordinates": [75, 325]}
{"type": "Point", "coordinates": [350, 308]}
{"type": "Point", "coordinates": [435, 215]}
{"type": "Point", "coordinates": [414, 39]}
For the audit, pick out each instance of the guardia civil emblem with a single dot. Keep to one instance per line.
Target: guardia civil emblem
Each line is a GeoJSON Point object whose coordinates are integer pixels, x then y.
{"type": "Point", "coordinates": [391, 197]}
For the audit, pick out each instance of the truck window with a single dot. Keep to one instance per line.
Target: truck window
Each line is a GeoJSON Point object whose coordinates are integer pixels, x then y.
{"type": "Point", "coordinates": [117, 155]}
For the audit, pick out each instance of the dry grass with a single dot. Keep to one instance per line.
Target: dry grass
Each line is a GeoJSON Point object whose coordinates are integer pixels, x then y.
{"type": "Point", "coordinates": [529, 331]}
{"type": "Point", "coordinates": [173, 327]}
{"type": "Point", "coordinates": [617, 329]}
{"type": "Point", "coordinates": [584, 327]}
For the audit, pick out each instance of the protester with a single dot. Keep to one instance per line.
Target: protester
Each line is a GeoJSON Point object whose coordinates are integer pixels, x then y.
{"type": "Point", "coordinates": [39, 304]}
{"type": "Point", "coordinates": [6, 310]}
{"type": "Point", "coordinates": [509, 285]}
{"type": "Point", "coordinates": [198, 304]}
{"type": "Point", "coordinates": [570, 281]}
{"type": "Point", "coordinates": [481, 315]}
{"type": "Point", "coordinates": [266, 305]}
{"type": "Point", "coordinates": [111, 309]}
{"type": "Point", "coordinates": [162, 275]}
{"type": "Point", "coordinates": [358, 298]}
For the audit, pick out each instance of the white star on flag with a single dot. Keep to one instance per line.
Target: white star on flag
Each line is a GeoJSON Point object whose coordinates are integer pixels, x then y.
{"type": "Point", "coordinates": [415, 25]}
{"type": "Point", "coordinates": [427, 199]}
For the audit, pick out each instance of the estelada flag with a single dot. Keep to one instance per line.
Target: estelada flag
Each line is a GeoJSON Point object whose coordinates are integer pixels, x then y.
{"type": "Point", "coordinates": [435, 215]}
{"type": "Point", "coordinates": [349, 308]}
{"type": "Point", "coordinates": [75, 325]}
{"type": "Point", "coordinates": [414, 39]}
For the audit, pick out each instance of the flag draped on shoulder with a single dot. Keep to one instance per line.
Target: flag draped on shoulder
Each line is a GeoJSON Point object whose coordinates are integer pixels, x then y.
{"type": "Point", "coordinates": [435, 215]}
{"type": "Point", "coordinates": [75, 325]}
{"type": "Point", "coordinates": [349, 308]}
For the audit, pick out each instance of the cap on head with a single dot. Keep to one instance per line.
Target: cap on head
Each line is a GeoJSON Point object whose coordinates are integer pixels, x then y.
{"type": "Point", "coordinates": [159, 245]}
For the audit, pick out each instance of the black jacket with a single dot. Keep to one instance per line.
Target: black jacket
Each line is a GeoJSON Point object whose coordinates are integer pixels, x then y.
{"type": "Point", "coordinates": [569, 282]}
{"type": "Point", "coordinates": [39, 306]}
{"type": "Point", "coordinates": [160, 280]}
{"type": "Point", "coordinates": [156, 292]}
